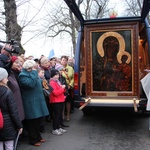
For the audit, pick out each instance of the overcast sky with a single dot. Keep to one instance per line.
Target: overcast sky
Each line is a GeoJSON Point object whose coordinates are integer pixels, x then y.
{"type": "Point", "coordinates": [61, 45]}
{"type": "Point", "coordinates": [37, 47]}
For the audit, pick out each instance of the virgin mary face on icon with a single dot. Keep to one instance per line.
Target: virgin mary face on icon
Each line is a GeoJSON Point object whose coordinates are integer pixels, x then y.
{"type": "Point", "coordinates": [111, 47]}
{"type": "Point", "coordinates": [112, 43]}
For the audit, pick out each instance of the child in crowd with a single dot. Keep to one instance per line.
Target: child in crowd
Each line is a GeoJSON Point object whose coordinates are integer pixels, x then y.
{"type": "Point", "coordinates": [62, 80]}
{"type": "Point", "coordinates": [41, 76]}
{"type": "Point", "coordinates": [47, 88]}
{"type": "Point", "coordinates": [57, 99]}
{"type": "Point", "coordinates": [41, 73]}
{"type": "Point", "coordinates": [12, 122]}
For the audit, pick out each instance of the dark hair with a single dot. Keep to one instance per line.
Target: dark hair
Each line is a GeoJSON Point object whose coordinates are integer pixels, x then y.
{"type": "Point", "coordinates": [66, 57]}
{"type": "Point", "coordinates": [54, 72]}
{"type": "Point", "coordinates": [36, 60]}
{"type": "Point", "coordinates": [40, 69]}
{"type": "Point", "coordinates": [52, 58]}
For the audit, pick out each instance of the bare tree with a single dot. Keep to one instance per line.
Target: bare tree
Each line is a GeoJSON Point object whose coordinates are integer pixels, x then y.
{"type": "Point", "coordinates": [12, 28]}
{"type": "Point", "coordinates": [9, 19]}
{"type": "Point", "coordinates": [93, 9]}
{"type": "Point", "coordinates": [133, 8]}
{"type": "Point", "coordinates": [61, 20]}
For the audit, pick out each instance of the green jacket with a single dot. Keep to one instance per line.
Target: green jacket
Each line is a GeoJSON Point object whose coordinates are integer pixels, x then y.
{"type": "Point", "coordinates": [32, 95]}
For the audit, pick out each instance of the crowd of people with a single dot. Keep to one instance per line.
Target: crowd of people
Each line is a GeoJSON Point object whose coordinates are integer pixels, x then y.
{"type": "Point", "coordinates": [24, 104]}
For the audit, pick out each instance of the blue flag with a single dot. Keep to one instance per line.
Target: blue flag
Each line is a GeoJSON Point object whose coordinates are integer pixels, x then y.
{"type": "Point", "coordinates": [51, 54]}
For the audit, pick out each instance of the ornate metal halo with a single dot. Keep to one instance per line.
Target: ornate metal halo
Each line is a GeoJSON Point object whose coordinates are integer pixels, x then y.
{"type": "Point", "coordinates": [121, 45]}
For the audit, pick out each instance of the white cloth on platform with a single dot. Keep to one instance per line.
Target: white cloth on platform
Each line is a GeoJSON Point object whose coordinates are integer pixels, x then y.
{"type": "Point", "coordinates": [146, 87]}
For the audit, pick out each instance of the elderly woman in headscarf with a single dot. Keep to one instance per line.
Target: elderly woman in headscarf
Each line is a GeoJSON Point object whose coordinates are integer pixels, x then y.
{"type": "Point", "coordinates": [14, 85]}
{"type": "Point", "coordinates": [33, 100]}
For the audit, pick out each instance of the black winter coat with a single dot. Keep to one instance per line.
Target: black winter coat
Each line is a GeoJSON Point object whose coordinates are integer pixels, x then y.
{"type": "Point", "coordinates": [47, 74]}
{"type": "Point", "coordinates": [9, 110]}
{"type": "Point", "coordinates": [5, 62]}
{"type": "Point", "coordinates": [63, 81]}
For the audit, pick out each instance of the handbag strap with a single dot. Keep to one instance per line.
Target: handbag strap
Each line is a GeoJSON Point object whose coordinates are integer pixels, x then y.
{"type": "Point", "coordinates": [66, 75]}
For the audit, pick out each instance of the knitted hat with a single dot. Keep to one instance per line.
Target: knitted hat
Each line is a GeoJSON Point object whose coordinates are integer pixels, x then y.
{"type": "Point", "coordinates": [3, 74]}
{"type": "Point", "coordinates": [54, 72]}
{"type": "Point", "coordinates": [28, 64]}
{"type": "Point", "coordinates": [58, 67]}
{"type": "Point", "coordinates": [13, 58]}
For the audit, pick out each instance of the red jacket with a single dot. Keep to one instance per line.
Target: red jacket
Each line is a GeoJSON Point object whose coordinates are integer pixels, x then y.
{"type": "Point", "coordinates": [57, 95]}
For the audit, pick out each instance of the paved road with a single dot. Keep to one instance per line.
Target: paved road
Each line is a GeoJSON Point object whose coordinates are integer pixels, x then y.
{"type": "Point", "coordinates": [106, 129]}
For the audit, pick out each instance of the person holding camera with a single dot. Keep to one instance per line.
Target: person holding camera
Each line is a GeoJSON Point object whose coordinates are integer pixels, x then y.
{"type": "Point", "coordinates": [6, 53]}
{"type": "Point", "coordinates": [5, 58]}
